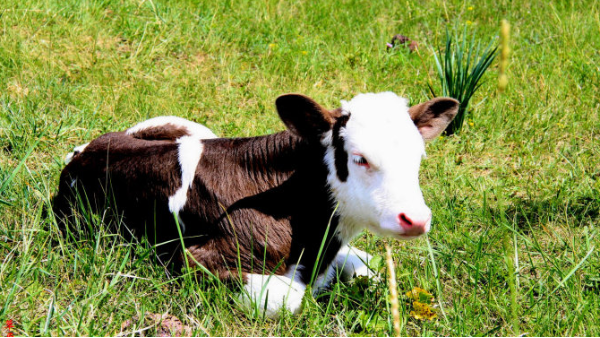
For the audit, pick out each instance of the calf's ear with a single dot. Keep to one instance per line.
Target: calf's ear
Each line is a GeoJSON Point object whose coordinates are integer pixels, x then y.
{"type": "Point", "coordinates": [303, 116]}
{"type": "Point", "coordinates": [432, 117]}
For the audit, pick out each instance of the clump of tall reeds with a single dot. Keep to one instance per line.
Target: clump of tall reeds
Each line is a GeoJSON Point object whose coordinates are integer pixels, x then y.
{"type": "Point", "coordinates": [460, 67]}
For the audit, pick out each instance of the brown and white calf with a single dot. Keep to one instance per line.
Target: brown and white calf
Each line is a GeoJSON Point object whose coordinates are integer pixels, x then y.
{"type": "Point", "coordinates": [264, 205]}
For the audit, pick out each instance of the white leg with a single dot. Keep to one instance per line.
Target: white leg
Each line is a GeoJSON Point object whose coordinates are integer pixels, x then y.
{"type": "Point", "coordinates": [324, 279]}
{"type": "Point", "coordinates": [352, 262]}
{"type": "Point", "coordinates": [271, 293]}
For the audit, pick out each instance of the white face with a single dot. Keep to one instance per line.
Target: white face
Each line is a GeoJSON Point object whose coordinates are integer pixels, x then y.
{"type": "Point", "coordinates": [384, 149]}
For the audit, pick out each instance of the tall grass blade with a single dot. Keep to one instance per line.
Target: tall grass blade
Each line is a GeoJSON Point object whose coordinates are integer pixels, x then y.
{"type": "Point", "coordinates": [49, 316]}
{"type": "Point", "coordinates": [17, 168]}
{"type": "Point", "coordinates": [577, 267]}
{"type": "Point", "coordinates": [511, 277]}
{"type": "Point", "coordinates": [318, 263]}
{"type": "Point", "coordinates": [437, 278]}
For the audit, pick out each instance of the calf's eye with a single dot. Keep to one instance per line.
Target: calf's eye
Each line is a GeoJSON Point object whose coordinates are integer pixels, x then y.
{"type": "Point", "coordinates": [360, 160]}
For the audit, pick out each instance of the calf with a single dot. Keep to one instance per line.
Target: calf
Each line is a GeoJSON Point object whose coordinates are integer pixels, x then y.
{"type": "Point", "coordinates": [272, 209]}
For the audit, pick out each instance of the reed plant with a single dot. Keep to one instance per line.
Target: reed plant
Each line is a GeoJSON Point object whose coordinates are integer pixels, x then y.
{"type": "Point", "coordinates": [460, 67]}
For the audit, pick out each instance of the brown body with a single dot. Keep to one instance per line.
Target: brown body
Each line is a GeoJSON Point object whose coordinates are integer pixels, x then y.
{"type": "Point", "coordinates": [260, 201]}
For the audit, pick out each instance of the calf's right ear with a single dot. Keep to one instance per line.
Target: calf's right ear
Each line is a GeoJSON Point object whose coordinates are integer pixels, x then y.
{"type": "Point", "coordinates": [432, 117]}
{"type": "Point", "coordinates": [303, 116]}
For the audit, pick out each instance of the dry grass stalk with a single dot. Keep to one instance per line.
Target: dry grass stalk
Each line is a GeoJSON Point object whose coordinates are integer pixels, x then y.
{"type": "Point", "coordinates": [504, 52]}
{"type": "Point", "coordinates": [393, 290]}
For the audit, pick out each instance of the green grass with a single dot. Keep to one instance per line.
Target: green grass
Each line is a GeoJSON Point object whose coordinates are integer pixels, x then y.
{"type": "Point", "coordinates": [515, 196]}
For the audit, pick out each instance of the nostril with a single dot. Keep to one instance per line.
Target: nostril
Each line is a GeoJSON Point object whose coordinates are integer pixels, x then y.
{"type": "Point", "coordinates": [414, 225]}
{"type": "Point", "coordinates": [404, 220]}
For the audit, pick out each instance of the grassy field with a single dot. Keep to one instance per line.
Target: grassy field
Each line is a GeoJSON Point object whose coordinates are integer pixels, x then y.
{"type": "Point", "coordinates": [515, 196]}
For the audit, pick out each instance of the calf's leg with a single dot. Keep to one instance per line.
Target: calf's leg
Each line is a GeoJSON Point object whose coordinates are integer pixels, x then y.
{"type": "Point", "coordinates": [352, 262]}
{"type": "Point", "coordinates": [272, 293]}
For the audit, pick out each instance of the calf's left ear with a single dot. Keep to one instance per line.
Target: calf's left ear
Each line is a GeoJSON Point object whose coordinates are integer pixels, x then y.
{"type": "Point", "coordinates": [432, 117]}
{"type": "Point", "coordinates": [303, 116]}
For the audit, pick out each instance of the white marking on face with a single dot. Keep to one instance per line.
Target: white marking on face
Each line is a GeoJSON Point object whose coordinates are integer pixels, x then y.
{"type": "Point", "coordinates": [190, 152]}
{"type": "Point", "coordinates": [384, 150]}
{"type": "Point", "coordinates": [194, 129]}
{"type": "Point", "coordinates": [271, 293]}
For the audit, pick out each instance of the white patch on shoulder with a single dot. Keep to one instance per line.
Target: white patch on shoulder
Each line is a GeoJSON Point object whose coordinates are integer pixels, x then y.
{"type": "Point", "coordinates": [272, 293]}
{"type": "Point", "coordinates": [76, 151]}
{"type": "Point", "coordinates": [190, 151]}
{"type": "Point", "coordinates": [194, 129]}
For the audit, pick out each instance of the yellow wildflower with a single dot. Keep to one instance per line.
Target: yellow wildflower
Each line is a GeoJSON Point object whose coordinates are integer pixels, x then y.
{"type": "Point", "coordinates": [421, 303]}
{"type": "Point", "coordinates": [418, 294]}
{"type": "Point", "coordinates": [422, 311]}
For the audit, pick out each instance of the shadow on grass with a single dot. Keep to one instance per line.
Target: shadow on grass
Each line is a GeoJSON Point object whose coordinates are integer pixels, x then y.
{"type": "Point", "coordinates": [530, 213]}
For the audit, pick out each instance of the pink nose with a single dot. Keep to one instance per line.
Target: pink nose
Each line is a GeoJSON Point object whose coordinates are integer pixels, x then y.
{"type": "Point", "coordinates": [413, 226]}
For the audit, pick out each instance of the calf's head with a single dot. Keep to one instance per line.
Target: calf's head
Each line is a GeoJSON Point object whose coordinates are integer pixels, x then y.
{"type": "Point", "coordinates": [374, 145]}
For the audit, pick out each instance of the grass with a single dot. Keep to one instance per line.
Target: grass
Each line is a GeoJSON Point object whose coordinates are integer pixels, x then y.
{"type": "Point", "coordinates": [515, 196]}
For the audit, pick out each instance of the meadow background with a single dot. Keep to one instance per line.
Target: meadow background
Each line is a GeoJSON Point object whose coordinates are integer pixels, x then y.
{"type": "Point", "coordinates": [515, 196]}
